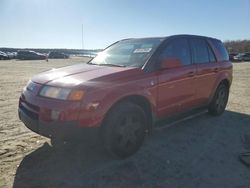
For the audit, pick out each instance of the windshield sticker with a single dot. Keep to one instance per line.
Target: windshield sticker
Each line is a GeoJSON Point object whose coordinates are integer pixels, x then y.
{"type": "Point", "coordinates": [142, 50]}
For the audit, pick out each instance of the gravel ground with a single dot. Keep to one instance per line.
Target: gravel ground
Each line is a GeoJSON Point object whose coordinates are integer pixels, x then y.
{"type": "Point", "coordinates": [197, 152]}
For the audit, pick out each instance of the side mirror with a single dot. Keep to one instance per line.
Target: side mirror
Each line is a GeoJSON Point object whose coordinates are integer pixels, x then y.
{"type": "Point", "coordinates": [169, 63]}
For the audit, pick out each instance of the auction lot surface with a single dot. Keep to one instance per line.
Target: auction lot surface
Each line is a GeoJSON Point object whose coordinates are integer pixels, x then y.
{"type": "Point", "coordinates": [198, 152]}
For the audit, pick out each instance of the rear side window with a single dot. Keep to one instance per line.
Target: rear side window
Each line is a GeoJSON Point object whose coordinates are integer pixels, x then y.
{"type": "Point", "coordinates": [177, 48]}
{"type": "Point", "coordinates": [221, 49]}
{"type": "Point", "coordinates": [200, 51]}
{"type": "Point", "coordinates": [211, 54]}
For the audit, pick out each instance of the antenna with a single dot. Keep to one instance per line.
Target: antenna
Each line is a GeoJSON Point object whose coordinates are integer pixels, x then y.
{"type": "Point", "coordinates": [82, 38]}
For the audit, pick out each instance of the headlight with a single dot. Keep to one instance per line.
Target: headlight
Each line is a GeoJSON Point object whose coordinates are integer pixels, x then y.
{"type": "Point", "coordinates": [31, 86]}
{"type": "Point", "coordinates": [61, 93]}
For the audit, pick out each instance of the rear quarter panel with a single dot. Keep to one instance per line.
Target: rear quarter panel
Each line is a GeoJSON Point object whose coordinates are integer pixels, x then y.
{"type": "Point", "coordinates": [225, 69]}
{"type": "Point", "coordinates": [225, 73]}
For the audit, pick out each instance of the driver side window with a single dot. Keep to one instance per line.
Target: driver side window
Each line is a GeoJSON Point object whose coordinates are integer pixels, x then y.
{"type": "Point", "coordinates": [177, 48]}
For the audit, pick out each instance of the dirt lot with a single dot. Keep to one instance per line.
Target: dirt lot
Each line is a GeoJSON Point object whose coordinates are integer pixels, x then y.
{"type": "Point", "coordinates": [198, 152]}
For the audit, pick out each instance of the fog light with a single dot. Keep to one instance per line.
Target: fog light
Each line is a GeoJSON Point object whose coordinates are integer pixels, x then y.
{"type": "Point", "coordinates": [55, 115]}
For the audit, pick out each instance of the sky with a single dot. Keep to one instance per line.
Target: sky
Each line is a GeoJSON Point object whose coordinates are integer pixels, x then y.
{"type": "Point", "coordinates": [58, 23]}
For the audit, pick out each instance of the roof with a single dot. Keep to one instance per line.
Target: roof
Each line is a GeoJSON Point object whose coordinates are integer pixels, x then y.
{"type": "Point", "coordinates": [174, 36]}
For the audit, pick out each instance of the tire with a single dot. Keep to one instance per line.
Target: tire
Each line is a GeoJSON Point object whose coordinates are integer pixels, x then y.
{"type": "Point", "coordinates": [219, 102]}
{"type": "Point", "coordinates": [60, 145]}
{"type": "Point", "coordinates": [57, 144]}
{"type": "Point", "coordinates": [124, 130]}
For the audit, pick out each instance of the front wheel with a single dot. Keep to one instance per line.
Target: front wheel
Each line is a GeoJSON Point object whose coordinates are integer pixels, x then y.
{"type": "Point", "coordinates": [219, 102]}
{"type": "Point", "coordinates": [57, 143]}
{"type": "Point", "coordinates": [124, 129]}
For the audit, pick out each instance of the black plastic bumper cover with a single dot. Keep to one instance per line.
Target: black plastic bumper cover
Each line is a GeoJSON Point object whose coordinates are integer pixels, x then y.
{"type": "Point", "coordinates": [63, 130]}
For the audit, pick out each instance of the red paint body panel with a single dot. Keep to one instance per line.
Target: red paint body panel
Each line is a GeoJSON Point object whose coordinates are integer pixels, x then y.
{"type": "Point", "coordinates": [175, 88]}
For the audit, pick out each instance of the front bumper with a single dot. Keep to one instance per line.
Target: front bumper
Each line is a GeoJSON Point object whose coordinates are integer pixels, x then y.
{"type": "Point", "coordinates": [63, 130]}
{"type": "Point", "coordinates": [57, 118]}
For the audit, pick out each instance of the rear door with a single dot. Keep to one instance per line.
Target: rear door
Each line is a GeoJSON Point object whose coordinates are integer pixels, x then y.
{"type": "Point", "coordinates": [176, 88]}
{"type": "Point", "coordinates": [207, 69]}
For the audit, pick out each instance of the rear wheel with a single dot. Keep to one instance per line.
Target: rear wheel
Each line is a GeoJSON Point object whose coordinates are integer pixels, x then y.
{"type": "Point", "coordinates": [124, 129]}
{"type": "Point", "coordinates": [219, 102]}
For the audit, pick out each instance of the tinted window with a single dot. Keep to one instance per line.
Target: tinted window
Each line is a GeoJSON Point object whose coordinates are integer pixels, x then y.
{"type": "Point", "coordinates": [199, 51]}
{"type": "Point", "coordinates": [221, 49]}
{"type": "Point", "coordinates": [178, 48]}
{"type": "Point", "coordinates": [211, 54]}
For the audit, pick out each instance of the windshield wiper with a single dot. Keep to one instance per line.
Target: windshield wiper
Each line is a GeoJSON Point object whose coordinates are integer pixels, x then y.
{"type": "Point", "coordinates": [106, 64]}
{"type": "Point", "coordinates": [110, 64]}
{"type": "Point", "coordinates": [92, 63]}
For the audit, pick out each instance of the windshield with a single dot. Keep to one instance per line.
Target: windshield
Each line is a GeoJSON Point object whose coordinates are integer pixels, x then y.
{"type": "Point", "coordinates": [127, 53]}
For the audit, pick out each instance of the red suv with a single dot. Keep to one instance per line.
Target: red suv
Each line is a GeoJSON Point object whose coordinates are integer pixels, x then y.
{"type": "Point", "coordinates": [119, 94]}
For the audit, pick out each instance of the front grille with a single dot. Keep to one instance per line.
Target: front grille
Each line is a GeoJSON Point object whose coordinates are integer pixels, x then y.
{"type": "Point", "coordinates": [29, 113]}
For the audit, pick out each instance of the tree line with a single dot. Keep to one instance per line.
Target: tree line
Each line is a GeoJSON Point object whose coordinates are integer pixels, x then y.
{"type": "Point", "coordinates": [237, 46]}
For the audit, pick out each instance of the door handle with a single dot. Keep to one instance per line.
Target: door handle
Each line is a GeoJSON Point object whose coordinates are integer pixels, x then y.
{"type": "Point", "coordinates": [190, 74]}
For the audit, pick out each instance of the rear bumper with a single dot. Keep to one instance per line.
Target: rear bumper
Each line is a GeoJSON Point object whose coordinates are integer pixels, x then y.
{"type": "Point", "coordinates": [62, 130]}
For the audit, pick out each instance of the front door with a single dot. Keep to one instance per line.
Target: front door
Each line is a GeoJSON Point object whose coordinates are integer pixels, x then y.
{"type": "Point", "coordinates": [176, 90]}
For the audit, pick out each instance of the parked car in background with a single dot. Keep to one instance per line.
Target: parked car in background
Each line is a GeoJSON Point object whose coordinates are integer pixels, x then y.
{"type": "Point", "coordinates": [120, 93]}
{"type": "Point", "coordinates": [11, 55]}
{"type": "Point", "coordinates": [57, 55]}
{"type": "Point", "coordinates": [232, 55]}
{"type": "Point", "coordinates": [246, 56]}
{"type": "Point", "coordinates": [238, 57]}
{"type": "Point", "coordinates": [30, 55]}
{"type": "Point", "coordinates": [242, 57]}
{"type": "Point", "coordinates": [92, 54]}
{"type": "Point", "coordinates": [3, 56]}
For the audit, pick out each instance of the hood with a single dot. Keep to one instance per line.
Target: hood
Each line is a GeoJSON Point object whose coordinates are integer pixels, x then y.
{"type": "Point", "coordinates": [79, 74]}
